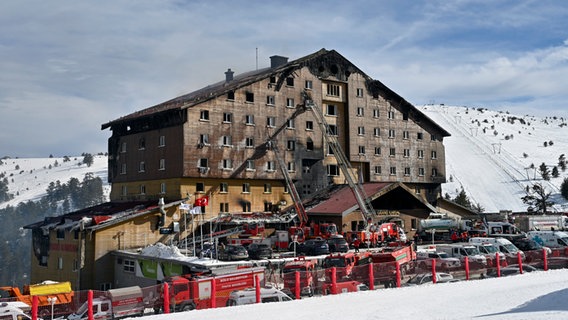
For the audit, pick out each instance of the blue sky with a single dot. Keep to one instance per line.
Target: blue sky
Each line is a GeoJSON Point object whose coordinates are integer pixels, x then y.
{"type": "Point", "coordinates": [69, 66]}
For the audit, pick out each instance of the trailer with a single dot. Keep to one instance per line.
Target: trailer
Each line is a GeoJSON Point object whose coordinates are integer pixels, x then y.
{"type": "Point", "coordinates": [541, 222]}
{"type": "Point", "coordinates": [114, 304]}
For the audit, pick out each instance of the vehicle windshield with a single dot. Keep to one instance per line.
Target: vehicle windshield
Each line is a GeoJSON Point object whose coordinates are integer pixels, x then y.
{"type": "Point", "coordinates": [490, 249]}
{"type": "Point", "coordinates": [510, 248]}
{"type": "Point", "coordinates": [563, 241]}
{"type": "Point", "coordinates": [443, 255]}
{"type": "Point", "coordinates": [334, 262]}
{"type": "Point", "coordinates": [470, 251]}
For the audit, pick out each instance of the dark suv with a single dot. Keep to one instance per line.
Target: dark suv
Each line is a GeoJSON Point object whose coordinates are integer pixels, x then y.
{"type": "Point", "coordinates": [337, 244]}
{"type": "Point", "coordinates": [313, 247]}
{"type": "Point", "coordinates": [233, 252]}
{"type": "Point", "coordinates": [259, 251]}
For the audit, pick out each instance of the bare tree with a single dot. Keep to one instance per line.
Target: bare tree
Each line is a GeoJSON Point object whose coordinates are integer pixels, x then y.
{"type": "Point", "coordinates": [538, 198]}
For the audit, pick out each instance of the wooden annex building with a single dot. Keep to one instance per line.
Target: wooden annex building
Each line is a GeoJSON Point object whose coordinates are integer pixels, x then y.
{"type": "Point", "coordinates": [209, 147]}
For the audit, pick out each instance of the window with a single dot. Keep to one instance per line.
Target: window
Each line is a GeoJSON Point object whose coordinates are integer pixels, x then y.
{"type": "Point", "coordinates": [249, 97]}
{"type": "Point", "coordinates": [434, 172]}
{"type": "Point", "coordinates": [361, 149]}
{"type": "Point", "coordinates": [359, 92]}
{"type": "Point", "coordinates": [309, 125]}
{"type": "Point", "coordinates": [272, 79]}
{"type": "Point", "coordinates": [377, 132]}
{"type": "Point", "coordinates": [204, 139]}
{"type": "Point", "coordinates": [246, 206]}
{"type": "Point", "coordinates": [270, 100]}
{"type": "Point", "coordinates": [250, 165]}
{"type": "Point", "coordinates": [434, 154]}
{"type": "Point", "coordinates": [290, 124]}
{"type": "Point", "coordinates": [309, 84]}
{"type": "Point", "coordinates": [391, 115]}
{"type": "Point", "coordinates": [333, 90]}
{"type": "Point", "coordinates": [270, 122]}
{"type": "Point", "coordinates": [123, 147]}
{"type": "Point", "coordinates": [203, 163]}
{"type": "Point", "coordinates": [330, 150]}
{"type": "Point", "coordinates": [223, 187]}
{"type": "Point", "coordinates": [124, 190]}
{"type": "Point", "coordinates": [392, 171]}
{"type": "Point", "coordinates": [407, 171]}
{"type": "Point", "coordinates": [420, 154]}
{"type": "Point", "coordinates": [417, 191]}
{"type": "Point", "coordinates": [309, 144]}
{"type": "Point", "coordinates": [60, 234]}
{"type": "Point", "coordinates": [227, 141]}
{"type": "Point", "coordinates": [433, 137]}
{"type": "Point", "coordinates": [361, 131]}
{"type": "Point", "coordinates": [224, 207]}
{"type": "Point", "coordinates": [227, 164]}
{"type": "Point", "coordinates": [268, 207]}
{"type": "Point", "coordinates": [162, 141]}
{"type": "Point", "coordinates": [162, 164]}
{"type": "Point", "coordinates": [421, 172]}
{"type": "Point", "coordinates": [360, 111]}
{"type": "Point", "coordinates": [204, 115]}
{"type": "Point", "coordinates": [163, 188]}
{"type": "Point", "coordinates": [246, 187]}
{"type": "Point", "coordinates": [405, 135]}
{"type": "Point", "coordinates": [377, 151]}
{"type": "Point", "coordinates": [376, 113]}
{"type": "Point", "coordinates": [406, 153]}
{"type": "Point", "coordinates": [391, 133]}
{"type": "Point", "coordinates": [123, 168]}
{"type": "Point", "coordinates": [249, 119]}
{"type": "Point", "coordinates": [129, 265]}
{"type": "Point", "coordinates": [331, 110]}
{"type": "Point", "coordinates": [267, 188]}
{"type": "Point", "coordinates": [142, 189]}
{"type": "Point", "coordinates": [270, 166]}
{"type": "Point", "coordinates": [332, 170]}
{"type": "Point", "coordinates": [227, 117]}
{"type": "Point", "coordinates": [249, 142]}
{"type": "Point", "coordinates": [141, 144]}
{"type": "Point", "coordinates": [142, 166]}
{"type": "Point", "coordinates": [200, 187]}
{"type": "Point", "coordinates": [378, 169]}
{"type": "Point", "coordinates": [231, 95]}
{"type": "Point", "coordinates": [392, 152]}
{"type": "Point", "coordinates": [332, 130]}
{"type": "Point", "coordinates": [291, 166]}
{"type": "Point", "coordinates": [419, 136]}
{"type": "Point", "coordinates": [291, 145]}
{"type": "Point", "coordinates": [290, 103]}
{"type": "Point", "coordinates": [290, 81]}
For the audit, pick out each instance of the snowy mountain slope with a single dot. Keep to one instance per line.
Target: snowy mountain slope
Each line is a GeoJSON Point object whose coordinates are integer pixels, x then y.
{"type": "Point", "coordinates": [490, 154]}
{"type": "Point", "coordinates": [28, 178]}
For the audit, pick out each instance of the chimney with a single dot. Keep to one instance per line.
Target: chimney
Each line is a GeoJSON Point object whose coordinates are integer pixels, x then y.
{"type": "Point", "coordinates": [229, 75]}
{"type": "Point", "coordinates": [277, 61]}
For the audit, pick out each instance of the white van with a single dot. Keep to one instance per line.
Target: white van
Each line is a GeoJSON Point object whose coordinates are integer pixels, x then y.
{"type": "Point", "coordinates": [248, 296]}
{"type": "Point", "coordinates": [551, 239]}
{"type": "Point", "coordinates": [462, 250]}
{"type": "Point", "coordinates": [505, 246]}
{"type": "Point", "coordinates": [489, 250]}
{"type": "Point", "coordinates": [13, 311]}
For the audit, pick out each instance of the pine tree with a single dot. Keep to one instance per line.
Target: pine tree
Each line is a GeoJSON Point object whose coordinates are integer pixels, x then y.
{"type": "Point", "coordinates": [555, 173]}
{"type": "Point", "coordinates": [462, 199]}
{"type": "Point", "coordinates": [562, 162]}
{"type": "Point", "coordinates": [544, 172]}
{"type": "Point", "coordinates": [88, 159]}
{"type": "Point", "coordinates": [538, 199]}
{"type": "Point", "coordinates": [564, 188]}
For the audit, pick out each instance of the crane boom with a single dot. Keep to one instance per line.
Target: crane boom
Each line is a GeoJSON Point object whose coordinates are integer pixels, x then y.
{"type": "Point", "coordinates": [343, 162]}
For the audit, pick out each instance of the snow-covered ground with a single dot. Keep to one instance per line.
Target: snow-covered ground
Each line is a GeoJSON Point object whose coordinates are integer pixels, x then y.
{"type": "Point", "coordinates": [489, 155]}
{"type": "Point", "coordinates": [28, 178]}
{"type": "Point", "coordinates": [536, 295]}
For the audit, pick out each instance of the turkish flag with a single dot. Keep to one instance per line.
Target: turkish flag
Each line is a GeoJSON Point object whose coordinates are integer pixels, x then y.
{"type": "Point", "coordinates": [202, 202]}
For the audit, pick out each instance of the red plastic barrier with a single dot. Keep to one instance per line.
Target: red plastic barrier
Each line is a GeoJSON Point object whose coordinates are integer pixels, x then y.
{"type": "Point", "coordinates": [333, 281]}
{"type": "Point", "coordinates": [35, 304]}
{"type": "Point", "coordinates": [257, 286]}
{"type": "Point", "coordinates": [90, 314]}
{"type": "Point", "coordinates": [498, 264]}
{"type": "Point", "coordinates": [213, 294]}
{"type": "Point", "coordinates": [166, 298]}
{"type": "Point", "coordinates": [397, 275]}
{"type": "Point", "coordinates": [466, 262]}
{"type": "Point", "coordinates": [371, 277]}
{"type": "Point", "coordinates": [545, 260]}
{"type": "Point", "coordinates": [297, 285]}
{"type": "Point", "coordinates": [520, 262]}
{"type": "Point", "coordinates": [434, 271]}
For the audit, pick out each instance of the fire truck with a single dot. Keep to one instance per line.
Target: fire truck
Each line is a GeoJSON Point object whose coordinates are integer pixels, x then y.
{"type": "Point", "coordinates": [384, 264]}
{"type": "Point", "coordinates": [306, 269]}
{"type": "Point", "coordinates": [189, 292]}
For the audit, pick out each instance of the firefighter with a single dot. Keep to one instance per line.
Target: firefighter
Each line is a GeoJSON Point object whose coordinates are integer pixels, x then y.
{"type": "Point", "coordinates": [356, 244]}
{"type": "Point", "coordinates": [454, 236]}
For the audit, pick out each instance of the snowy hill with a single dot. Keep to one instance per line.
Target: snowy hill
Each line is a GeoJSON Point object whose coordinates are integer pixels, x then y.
{"type": "Point", "coordinates": [490, 155]}
{"type": "Point", "coordinates": [28, 178]}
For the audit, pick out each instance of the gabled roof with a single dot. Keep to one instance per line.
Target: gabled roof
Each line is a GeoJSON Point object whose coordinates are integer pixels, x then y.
{"type": "Point", "coordinates": [314, 62]}
{"type": "Point", "coordinates": [341, 200]}
{"type": "Point", "coordinates": [99, 216]}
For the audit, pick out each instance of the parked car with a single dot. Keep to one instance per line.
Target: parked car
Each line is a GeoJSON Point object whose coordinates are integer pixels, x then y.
{"type": "Point", "coordinates": [259, 251]}
{"type": "Point", "coordinates": [337, 244]}
{"type": "Point", "coordinates": [443, 260]}
{"type": "Point", "coordinates": [512, 269]}
{"type": "Point", "coordinates": [313, 247]}
{"type": "Point", "coordinates": [441, 277]}
{"type": "Point", "coordinates": [233, 252]}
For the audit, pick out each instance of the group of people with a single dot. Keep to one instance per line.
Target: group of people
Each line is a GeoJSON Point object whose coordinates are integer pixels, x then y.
{"type": "Point", "coordinates": [457, 236]}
